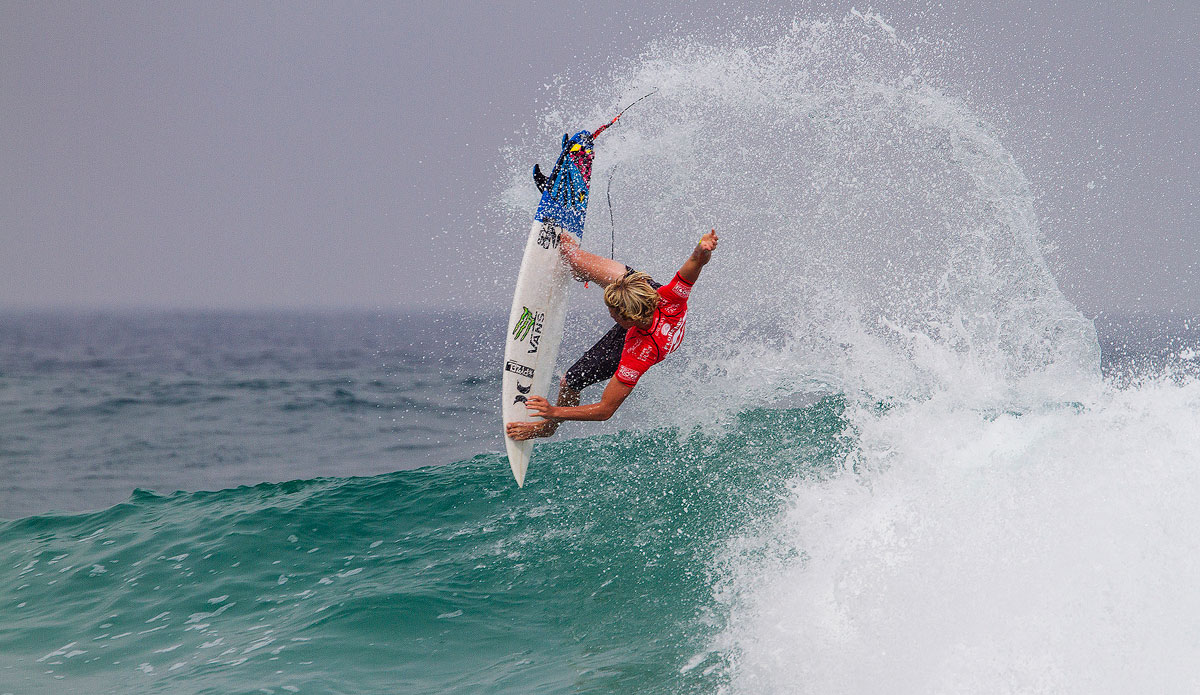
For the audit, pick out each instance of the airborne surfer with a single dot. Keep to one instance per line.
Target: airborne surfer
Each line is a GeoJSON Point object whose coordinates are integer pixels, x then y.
{"type": "Point", "coordinates": [649, 326]}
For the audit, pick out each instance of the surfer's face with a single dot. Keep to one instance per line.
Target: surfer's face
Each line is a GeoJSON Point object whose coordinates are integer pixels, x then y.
{"type": "Point", "coordinates": [621, 320]}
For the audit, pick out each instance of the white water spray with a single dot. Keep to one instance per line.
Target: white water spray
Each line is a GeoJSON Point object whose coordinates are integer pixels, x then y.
{"type": "Point", "coordinates": [867, 217]}
{"type": "Point", "coordinates": [1008, 522]}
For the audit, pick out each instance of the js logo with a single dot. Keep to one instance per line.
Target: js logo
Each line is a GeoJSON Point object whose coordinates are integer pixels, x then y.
{"type": "Point", "coordinates": [548, 237]}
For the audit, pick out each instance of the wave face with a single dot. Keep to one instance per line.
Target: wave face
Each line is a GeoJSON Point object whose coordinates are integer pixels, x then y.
{"type": "Point", "coordinates": [596, 577]}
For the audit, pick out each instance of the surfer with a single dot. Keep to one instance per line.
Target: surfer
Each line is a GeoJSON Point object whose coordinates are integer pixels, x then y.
{"type": "Point", "coordinates": [649, 326]}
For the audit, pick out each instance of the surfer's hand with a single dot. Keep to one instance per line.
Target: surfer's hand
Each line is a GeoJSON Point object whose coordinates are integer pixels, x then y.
{"type": "Point", "coordinates": [708, 244]}
{"type": "Point", "coordinates": [569, 248]}
{"type": "Point", "coordinates": [536, 405]}
{"type": "Point", "coordinates": [528, 430]}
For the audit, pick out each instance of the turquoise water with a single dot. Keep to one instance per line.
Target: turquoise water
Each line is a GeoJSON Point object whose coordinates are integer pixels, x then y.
{"type": "Point", "coordinates": [596, 577]}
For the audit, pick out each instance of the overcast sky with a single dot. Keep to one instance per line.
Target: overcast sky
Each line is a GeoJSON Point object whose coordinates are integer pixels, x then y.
{"type": "Point", "coordinates": [246, 155]}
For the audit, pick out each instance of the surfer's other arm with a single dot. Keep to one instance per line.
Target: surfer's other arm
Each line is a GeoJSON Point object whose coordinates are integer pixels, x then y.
{"type": "Point", "coordinates": [588, 267]}
{"type": "Point", "coordinates": [701, 255]}
{"type": "Point", "coordinates": [614, 395]}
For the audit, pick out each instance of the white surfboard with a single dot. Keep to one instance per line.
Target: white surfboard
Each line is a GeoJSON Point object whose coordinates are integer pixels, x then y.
{"type": "Point", "coordinates": [539, 306]}
{"type": "Point", "coordinates": [535, 327]}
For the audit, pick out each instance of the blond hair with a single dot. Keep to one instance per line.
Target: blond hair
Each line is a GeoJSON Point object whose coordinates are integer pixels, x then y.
{"type": "Point", "coordinates": [633, 297]}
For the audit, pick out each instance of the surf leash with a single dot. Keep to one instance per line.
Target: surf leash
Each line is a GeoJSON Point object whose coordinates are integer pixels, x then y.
{"type": "Point", "coordinates": [608, 189]}
{"type": "Point", "coordinates": [611, 223]}
{"type": "Point", "coordinates": [601, 129]}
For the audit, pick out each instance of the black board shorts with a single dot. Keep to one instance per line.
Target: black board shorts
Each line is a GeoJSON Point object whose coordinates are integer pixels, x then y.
{"type": "Point", "coordinates": [601, 360]}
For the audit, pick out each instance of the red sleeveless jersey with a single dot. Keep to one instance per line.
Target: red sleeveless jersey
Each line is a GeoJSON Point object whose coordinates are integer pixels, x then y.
{"type": "Point", "coordinates": [646, 348]}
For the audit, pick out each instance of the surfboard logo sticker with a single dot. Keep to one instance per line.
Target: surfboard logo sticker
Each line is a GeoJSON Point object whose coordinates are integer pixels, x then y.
{"type": "Point", "coordinates": [524, 324]}
{"type": "Point", "coordinates": [548, 237]}
{"type": "Point", "coordinates": [519, 369]}
{"type": "Point", "coordinates": [529, 328]}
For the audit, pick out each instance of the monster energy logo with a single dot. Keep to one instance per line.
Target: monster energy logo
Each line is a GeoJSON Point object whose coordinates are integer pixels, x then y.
{"type": "Point", "coordinates": [529, 322]}
{"type": "Point", "coordinates": [524, 324]}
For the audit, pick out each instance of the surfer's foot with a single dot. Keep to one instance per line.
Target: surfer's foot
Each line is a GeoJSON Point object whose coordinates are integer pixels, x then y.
{"type": "Point", "coordinates": [520, 431]}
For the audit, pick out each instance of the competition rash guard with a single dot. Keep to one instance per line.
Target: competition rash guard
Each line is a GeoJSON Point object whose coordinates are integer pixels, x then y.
{"type": "Point", "coordinates": [646, 348]}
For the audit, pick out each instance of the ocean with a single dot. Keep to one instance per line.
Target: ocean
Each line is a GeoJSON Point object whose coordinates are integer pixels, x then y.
{"type": "Point", "coordinates": [320, 503]}
{"type": "Point", "coordinates": [890, 455]}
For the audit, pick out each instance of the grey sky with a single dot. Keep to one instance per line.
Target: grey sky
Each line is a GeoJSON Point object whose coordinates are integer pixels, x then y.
{"type": "Point", "coordinates": [299, 154]}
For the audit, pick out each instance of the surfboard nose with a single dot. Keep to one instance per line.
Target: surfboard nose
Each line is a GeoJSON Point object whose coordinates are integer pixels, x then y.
{"type": "Point", "coordinates": [518, 458]}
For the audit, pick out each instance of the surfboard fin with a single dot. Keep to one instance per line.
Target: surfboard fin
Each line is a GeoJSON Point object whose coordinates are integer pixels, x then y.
{"type": "Point", "coordinates": [539, 178]}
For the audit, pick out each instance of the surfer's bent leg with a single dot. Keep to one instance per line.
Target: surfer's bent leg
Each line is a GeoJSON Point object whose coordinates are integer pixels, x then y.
{"type": "Point", "coordinates": [588, 267]}
{"type": "Point", "coordinates": [599, 363]}
{"type": "Point", "coordinates": [567, 398]}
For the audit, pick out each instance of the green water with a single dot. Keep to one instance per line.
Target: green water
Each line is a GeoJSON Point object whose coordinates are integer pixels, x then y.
{"type": "Point", "coordinates": [598, 576]}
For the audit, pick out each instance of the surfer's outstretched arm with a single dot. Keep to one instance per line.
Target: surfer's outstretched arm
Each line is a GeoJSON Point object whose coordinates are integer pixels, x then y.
{"type": "Point", "coordinates": [614, 395]}
{"type": "Point", "coordinates": [691, 268]}
{"type": "Point", "coordinates": [588, 267]}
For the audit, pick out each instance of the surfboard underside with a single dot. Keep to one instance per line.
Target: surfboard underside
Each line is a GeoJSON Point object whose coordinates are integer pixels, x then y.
{"type": "Point", "coordinates": [535, 326]}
